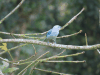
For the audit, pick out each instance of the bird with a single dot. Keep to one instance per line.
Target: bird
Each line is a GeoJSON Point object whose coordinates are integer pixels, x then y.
{"type": "Point", "coordinates": [52, 34]}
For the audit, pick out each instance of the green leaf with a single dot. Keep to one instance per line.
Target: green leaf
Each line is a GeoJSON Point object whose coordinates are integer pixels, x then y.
{"type": "Point", "coordinates": [10, 70]}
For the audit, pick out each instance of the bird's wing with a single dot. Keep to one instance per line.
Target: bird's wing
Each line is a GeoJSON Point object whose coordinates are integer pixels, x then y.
{"type": "Point", "coordinates": [49, 32]}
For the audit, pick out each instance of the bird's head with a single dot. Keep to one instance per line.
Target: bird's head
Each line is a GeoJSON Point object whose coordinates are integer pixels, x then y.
{"type": "Point", "coordinates": [57, 27]}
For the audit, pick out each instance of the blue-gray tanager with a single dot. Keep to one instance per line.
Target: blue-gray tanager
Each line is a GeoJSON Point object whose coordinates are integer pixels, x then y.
{"type": "Point", "coordinates": [53, 33]}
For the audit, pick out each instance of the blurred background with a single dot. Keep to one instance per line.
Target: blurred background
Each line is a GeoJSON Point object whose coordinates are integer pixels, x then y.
{"type": "Point", "coordinates": [36, 16]}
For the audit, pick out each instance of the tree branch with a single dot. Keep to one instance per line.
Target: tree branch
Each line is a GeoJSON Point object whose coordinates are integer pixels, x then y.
{"type": "Point", "coordinates": [32, 63]}
{"type": "Point", "coordinates": [70, 34]}
{"type": "Point", "coordinates": [12, 11]}
{"type": "Point", "coordinates": [23, 35]}
{"type": "Point", "coordinates": [13, 48]}
{"type": "Point", "coordinates": [70, 47]}
{"type": "Point", "coordinates": [63, 56]}
{"type": "Point", "coordinates": [51, 71]}
{"type": "Point", "coordinates": [65, 61]}
{"type": "Point", "coordinates": [70, 21]}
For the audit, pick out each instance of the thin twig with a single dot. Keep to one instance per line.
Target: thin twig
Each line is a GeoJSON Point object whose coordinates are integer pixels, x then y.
{"type": "Point", "coordinates": [56, 57]}
{"type": "Point", "coordinates": [10, 55]}
{"type": "Point", "coordinates": [34, 49]}
{"type": "Point", "coordinates": [4, 47]}
{"type": "Point", "coordinates": [98, 51]}
{"type": "Point", "coordinates": [86, 39]}
{"type": "Point", "coordinates": [32, 69]}
{"type": "Point", "coordinates": [6, 60]}
{"type": "Point", "coordinates": [21, 35]}
{"type": "Point", "coordinates": [24, 72]}
{"type": "Point", "coordinates": [37, 33]}
{"type": "Point", "coordinates": [65, 61]}
{"type": "Point", "coordinates": [60, 53]}
{"type": "Point", "coordinates": [29, 57]}
{"type": "Point", "coordinates": [41, 60]}
{"type": "Point", "coordinates": [70, 34]}
{"type": "Point", "coordinates": [9, 51]}
{"type": "Point", "coordinates": [53, 57]}
{"type": "Point", "coordinates": [99, 17]}
{"type": "Point", "coordinates": [13, 48]}
{"type": "Point", "coordinates": [51, 71]}
{"type": "Point", "coordinates": [26, 59]}
{"type": "Point", "coordinates": [12, 11]}
{"type": "Point", "coordinates": [70, 21]}
{"type": "Point", "coordinates": [32, 63]}
{"type": "Point", "coordinates": [12, 35]}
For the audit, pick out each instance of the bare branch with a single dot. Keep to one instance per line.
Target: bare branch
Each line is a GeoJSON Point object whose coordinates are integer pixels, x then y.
{"type": "Point", "coordinates": [23, 35]}
{"type": "Point", "coordinates": [60, 53]}
{"type": "Point", "coordinates": [56, 57]}
{"type": "Point", "coordinates": [45, 59]}
{"type": "Point", "coordinates": [33, 62]}
{"type": "Point", "coordinates": [51, 71]}
{"type": "Point", "coordinates": [41, 60]}
{"type": "Point", "coordinates": [26, 59]}
{"type": "Point", "coordinates": [72, 19]}
{"type": "Point", "coordinates": [13, 48]}
{"type": "Point", "coordinates": [86, 39]}
{"type": "Point", "coordinates": [12, 36]}
{"type": "Point", "coordinates": [70, 47]}
{"type": "Point", "coordinates": [99, 17]}
{"type": "Point", "coordinates": [24, 72]}
{"type": "Point", "coordinates": [5, 60]}
{"type": "Point", "coordinates": [29, 57]}
{"type": "Point", "coordinates": [34, 49]}
{"type": "Point", "coordinates": [98, 51]}
{"type": "Point", "coordinates": [70, 35]}
{"type": "Point", "coordinates": [65, 61]}
{"type": "Point", "coordinates": [12, 11]}
{"type": "Point", "coordinates": [31, 71]}
{"type": "Point", "coordinates": [38, 33]}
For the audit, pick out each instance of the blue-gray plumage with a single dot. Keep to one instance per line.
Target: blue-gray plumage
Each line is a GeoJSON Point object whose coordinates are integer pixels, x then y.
{"type": "Point", "coordinates": [53, 33]}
